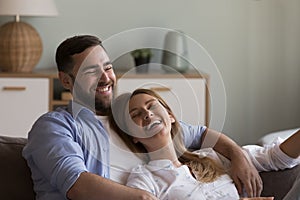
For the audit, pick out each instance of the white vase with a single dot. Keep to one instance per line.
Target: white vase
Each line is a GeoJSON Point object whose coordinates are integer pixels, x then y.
{"type": "Point", "coordinates": [175, 54]}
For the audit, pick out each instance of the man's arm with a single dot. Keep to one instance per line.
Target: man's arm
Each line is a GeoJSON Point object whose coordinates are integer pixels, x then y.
{"type": "Point", "coordinates": [242, 170]}
{"type": "Point", "coordinates": [91, 186]}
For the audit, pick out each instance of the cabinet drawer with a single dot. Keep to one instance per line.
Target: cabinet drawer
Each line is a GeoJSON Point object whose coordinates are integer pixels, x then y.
{"type": "Point", "coordinates": [23, 100]}
{"type": "Point", "coordinates": [186, 97]}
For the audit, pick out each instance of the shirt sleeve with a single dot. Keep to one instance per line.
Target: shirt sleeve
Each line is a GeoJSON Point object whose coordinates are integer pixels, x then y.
{"type": "Point", "coordinates": [270, 157]}
{"type": "Point", "coordinates": [192, 135]}
{"type": "Point", "coordinates": [52, 154]}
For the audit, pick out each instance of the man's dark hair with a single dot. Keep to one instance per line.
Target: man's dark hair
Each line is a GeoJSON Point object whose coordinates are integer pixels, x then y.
{"type": "Point", "coordinates": [71, 46]}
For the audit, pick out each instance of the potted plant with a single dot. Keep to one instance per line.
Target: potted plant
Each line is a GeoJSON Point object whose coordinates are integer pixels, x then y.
{"type": "Point", "coordinates": [141, 58]}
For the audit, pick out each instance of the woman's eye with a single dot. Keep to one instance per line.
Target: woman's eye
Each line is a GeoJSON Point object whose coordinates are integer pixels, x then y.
{"type": "Point", "coordinates": [152, 106]}
{"type": "Point", "coordinates": [135, 115]}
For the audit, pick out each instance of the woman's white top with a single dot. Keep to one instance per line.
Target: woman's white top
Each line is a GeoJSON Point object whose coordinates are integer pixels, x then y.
{"type": "Point", "coordinates": [165, 181]}
{"type": "Point", "coordinates": [270, 157]}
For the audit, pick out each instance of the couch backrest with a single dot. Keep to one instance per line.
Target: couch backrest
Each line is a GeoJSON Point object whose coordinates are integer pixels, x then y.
{"type": "Point", "coordinates": [16, 182]}
{"type": "Point", "coordinates": [15, 175]}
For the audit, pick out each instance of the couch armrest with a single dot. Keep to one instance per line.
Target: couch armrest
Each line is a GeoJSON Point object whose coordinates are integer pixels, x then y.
{"type": "Point", "coordinates": [15, 181]}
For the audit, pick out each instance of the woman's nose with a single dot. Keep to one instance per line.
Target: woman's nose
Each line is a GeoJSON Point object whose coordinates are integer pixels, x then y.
{"type": "Point", "coordinates": [148, 115]}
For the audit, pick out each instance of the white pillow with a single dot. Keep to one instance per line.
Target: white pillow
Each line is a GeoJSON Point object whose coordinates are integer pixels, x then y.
{"type": "Point", "coordinates": [283, 134]}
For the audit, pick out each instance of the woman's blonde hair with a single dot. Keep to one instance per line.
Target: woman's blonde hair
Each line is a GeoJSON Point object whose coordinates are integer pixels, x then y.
{"type": "Point", "coordinates": [204, 169]}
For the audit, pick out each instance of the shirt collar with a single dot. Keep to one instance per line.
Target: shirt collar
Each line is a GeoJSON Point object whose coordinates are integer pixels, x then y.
{"type": "Point", "coordinates": [75, 108]}
{"type": "Point", "coordinates": [163, 163]}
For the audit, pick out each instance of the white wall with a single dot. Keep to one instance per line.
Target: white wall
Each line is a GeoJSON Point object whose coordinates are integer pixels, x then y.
{"type": "Point", "coordinates": [274, 66]}
{"type": "Point", "coordinates": [254, 43]}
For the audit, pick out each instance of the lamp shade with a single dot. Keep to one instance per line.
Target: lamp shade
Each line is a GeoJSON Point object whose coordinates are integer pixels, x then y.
{"type": "Point", "coordinates": [28, 8]}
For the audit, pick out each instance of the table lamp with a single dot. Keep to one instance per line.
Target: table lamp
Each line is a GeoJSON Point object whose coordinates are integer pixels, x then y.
{"type": "Point", "coordinates": [20, 44]}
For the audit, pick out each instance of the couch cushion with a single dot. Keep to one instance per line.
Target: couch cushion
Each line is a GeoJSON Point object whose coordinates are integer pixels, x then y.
{"type": "Point", "coordinates": [278, 183]}
{"type": "Point", "coordinates": [15, 181]}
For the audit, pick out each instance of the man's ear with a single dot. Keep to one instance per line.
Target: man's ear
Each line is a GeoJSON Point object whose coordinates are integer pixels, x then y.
{"type": "Point", "coordinates": [65, 80]}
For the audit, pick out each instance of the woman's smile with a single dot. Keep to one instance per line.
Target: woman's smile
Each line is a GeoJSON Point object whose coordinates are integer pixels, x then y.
{"type": "Point", "coordinates": [154, 127]}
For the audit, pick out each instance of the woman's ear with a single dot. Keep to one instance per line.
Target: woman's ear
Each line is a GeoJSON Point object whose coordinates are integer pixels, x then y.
{"type": "Point", "coordinates": [65, 80]}
{"type": "Point", "coordinates": [172, 118]}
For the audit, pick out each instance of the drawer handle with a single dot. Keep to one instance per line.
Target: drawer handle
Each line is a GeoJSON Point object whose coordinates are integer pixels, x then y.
{"type": "Point", "coordinates": [14, 88]}
{"type": "Point", "coordinates": [160, 89]}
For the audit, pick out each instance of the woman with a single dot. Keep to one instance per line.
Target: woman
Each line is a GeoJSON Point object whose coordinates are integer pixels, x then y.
{"type": "Point", "coordinates": [150, 129]}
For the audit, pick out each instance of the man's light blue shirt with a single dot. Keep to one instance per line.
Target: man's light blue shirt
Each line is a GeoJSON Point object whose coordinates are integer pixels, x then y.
{"type": "Point", "coordinates": [64, 143]}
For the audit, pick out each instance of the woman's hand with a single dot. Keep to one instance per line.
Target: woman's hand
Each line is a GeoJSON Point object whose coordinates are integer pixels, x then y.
{"type": "Point", "coordinates": [258, 198]}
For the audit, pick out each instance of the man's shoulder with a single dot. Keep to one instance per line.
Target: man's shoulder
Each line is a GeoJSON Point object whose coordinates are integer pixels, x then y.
{"type": "Point", "coordinates": [53, 118]}
{"type": "Point", "coordinates": [59, 113]}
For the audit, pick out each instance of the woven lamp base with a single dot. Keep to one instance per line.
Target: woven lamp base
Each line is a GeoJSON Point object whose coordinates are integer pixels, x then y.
{"type": "Point", "coordinates": [20, 47]}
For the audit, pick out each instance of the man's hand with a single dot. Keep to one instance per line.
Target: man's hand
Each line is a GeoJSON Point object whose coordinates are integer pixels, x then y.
{"type": "Point", "coordinates": [143, 195]}
{"type": "Point", "coordinates": [245, 175]}
{"type": "Point", "coordinates": [243, 172]}
{"type": "Point", "coordinates": [91, 186]}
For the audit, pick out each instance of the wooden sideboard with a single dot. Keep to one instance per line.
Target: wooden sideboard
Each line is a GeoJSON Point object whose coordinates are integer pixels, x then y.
{"type": "Point", "coordinates": [26, 96]}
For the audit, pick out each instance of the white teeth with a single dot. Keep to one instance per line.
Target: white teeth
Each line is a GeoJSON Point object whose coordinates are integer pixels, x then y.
{"type": "Point", "coordinates": [103, 89]}
{"type": "Point", "coordinates": [155, 122]}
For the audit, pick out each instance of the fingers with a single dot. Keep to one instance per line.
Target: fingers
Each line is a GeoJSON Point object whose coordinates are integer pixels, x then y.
{"type": "Point", "coordinates": [252, 185]}
{"type": "Point", "coordinates": [249, 188]}
{"type": "Point", "coordinates": [238, 184]}
{"type": "Point", "coordinates": [259, 186]}
{"type": "Point", "coordinates": [246, 176]}
{"type": "Point", "coordinates": [141, 194]}
{"type": "Point", "coordinates": [256, 185]}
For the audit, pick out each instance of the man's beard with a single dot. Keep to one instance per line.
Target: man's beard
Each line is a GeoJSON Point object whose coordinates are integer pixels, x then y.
{"type": "Point", "coordinates": [101, 106]}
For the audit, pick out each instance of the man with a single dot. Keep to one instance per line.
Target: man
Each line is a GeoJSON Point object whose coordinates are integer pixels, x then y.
{"type": "Point", "coordinates": [68, 149]}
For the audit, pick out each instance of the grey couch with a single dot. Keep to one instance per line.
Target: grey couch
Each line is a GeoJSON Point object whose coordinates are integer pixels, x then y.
{"type": "Point", "coordinates": [16, 184]}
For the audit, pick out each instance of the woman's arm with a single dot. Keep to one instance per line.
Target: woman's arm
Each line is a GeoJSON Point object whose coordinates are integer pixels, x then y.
{"type": "Point", "coordinates": [291, 145]}
{"type": "Point", "coordinates": [258, 198]}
